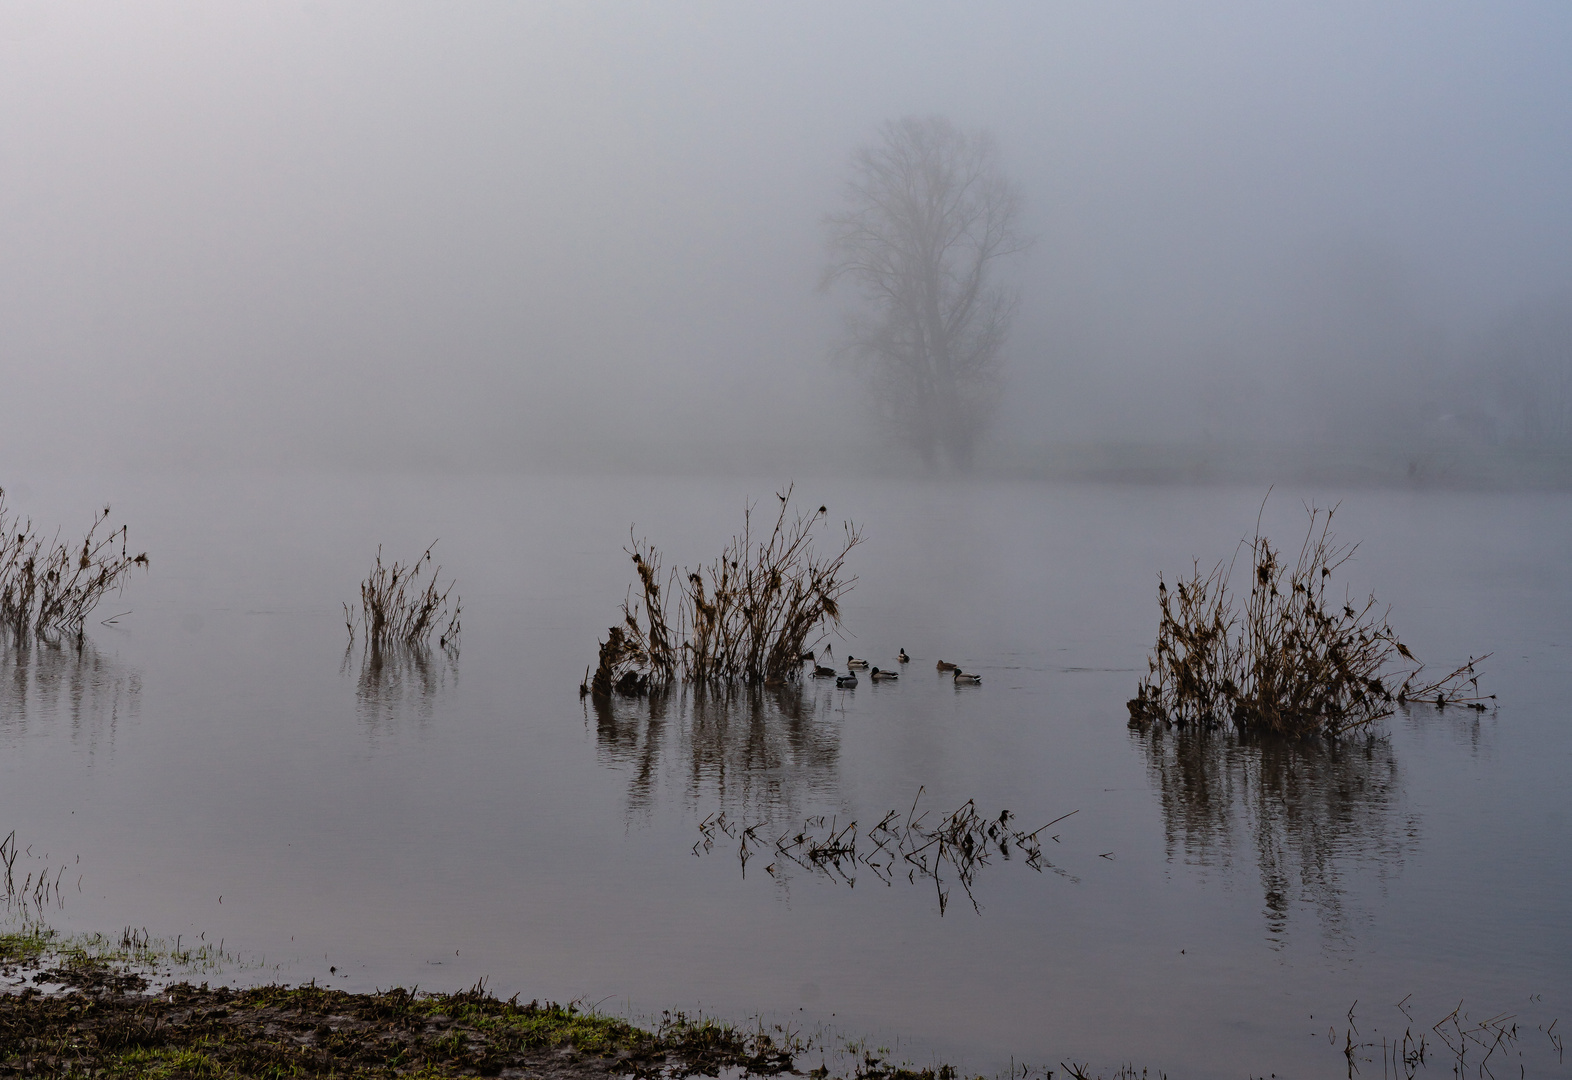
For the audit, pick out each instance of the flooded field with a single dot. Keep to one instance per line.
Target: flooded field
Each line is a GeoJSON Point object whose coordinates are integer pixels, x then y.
{"type": "Point", "coordinates": [995, 875]}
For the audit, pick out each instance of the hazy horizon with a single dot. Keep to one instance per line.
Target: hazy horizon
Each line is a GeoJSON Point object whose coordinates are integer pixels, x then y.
{"type": "Point", "coordinates": [500, 237]}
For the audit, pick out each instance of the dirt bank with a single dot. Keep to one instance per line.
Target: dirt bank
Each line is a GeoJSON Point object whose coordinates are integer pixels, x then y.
{"type": "Point", "coordinates": [106, 1023]}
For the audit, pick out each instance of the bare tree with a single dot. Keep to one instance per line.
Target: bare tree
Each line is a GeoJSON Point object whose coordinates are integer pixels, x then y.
{"type": "Point", "coordinates": [927, 216]}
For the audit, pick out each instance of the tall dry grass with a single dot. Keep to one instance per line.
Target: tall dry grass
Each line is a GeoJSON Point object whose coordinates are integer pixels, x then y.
{"type": "Point", "coordinates": [1294, 660]}
{"type": "Point", "coordinates": [49, 588]}
{"type": "Point", "coordinates": [746, 618]}
{"type": "Point", "coordinates": [399, 606]}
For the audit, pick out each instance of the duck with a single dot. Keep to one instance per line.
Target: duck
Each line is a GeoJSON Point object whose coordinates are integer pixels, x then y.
{"type": "Point", "coordinates": [853, 662]}
{"type": "Point", "coordinates": [882, 676]}
{"type": "Point", "coordinates": [806, 658]}
{"type": "Point", "coordinates": [822, 672]}
{"type": "Point", "coordinates": [963, 679]}
{"type": "Point", "coordinates": [847, 681]}
{"type": "Point", "coordinates": [902, 657]}
{"type": "Point", "coordinates": [945, 665]}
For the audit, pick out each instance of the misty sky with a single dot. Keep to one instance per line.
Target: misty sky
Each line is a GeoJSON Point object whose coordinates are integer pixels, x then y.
{"type": "Point", "coordinates": [500, 234]}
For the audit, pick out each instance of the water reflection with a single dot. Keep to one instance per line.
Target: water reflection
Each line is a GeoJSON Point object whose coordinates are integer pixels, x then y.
{"type": "Point", "coordinates": [42, 681]}
{"type": "Point", "coordinates": [398, 681]}
{"type": "Point", "coordinates": [1466, 729]}
{"type": "Point", "coordinates": [1309, 814]}
{"type": "Point", "coordinates": [757, 753]}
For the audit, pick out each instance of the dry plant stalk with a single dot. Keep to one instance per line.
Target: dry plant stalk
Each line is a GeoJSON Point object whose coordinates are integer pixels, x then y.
{"type": "Point", "coordinates": [1295, 661]}
{"type": "Point", "coordinates": [48, 588]}
{"type": "Point", "coordinates": [744, 619]}
{"type": "Point", "coordinates": [396, 609]}
{"type": "Point", "coordinates": [897, 846]}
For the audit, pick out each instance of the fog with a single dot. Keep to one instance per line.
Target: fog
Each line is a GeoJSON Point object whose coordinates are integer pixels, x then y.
{"type": "Point", "coordinates": [545, 236]}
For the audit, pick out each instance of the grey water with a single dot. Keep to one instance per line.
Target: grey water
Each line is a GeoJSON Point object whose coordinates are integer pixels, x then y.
{"type": "Point", "coordinates": [214, 762]}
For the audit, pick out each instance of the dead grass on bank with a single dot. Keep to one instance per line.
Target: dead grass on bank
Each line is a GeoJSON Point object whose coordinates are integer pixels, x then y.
{"type": "Point", "coordinates": [1295, 660]}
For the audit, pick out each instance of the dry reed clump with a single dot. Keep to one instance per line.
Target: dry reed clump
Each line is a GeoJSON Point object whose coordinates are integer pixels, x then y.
{"type": "Point", "coordinates": [48, 588]}
{"type": "Point", "coordinates": [395, 608]}
{"type": "Point", "coordinates": [747, 618]}
{"type": "Point", "coordinates": [1295, 661]}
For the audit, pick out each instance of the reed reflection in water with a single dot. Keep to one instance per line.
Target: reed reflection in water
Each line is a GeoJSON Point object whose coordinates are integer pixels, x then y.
{"type": "Point", "coordinates": [757, 753]}
{"type": "Point", "coordinates": [1310, 813]}
{"type": "Point", "coordinates": [43, 680]}
{"type": "Point", "coordinates": [396, 681]}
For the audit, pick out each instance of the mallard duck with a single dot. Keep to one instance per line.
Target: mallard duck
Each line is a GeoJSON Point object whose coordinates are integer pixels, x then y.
{"type": "Point", "coordinates": [822, 672]}
{"type": "Point", "coordinates": [902, 657]}
{"type": "Point", "coordinates": [882, 676]}
{"type": "Point", "coordinates": [847, 681]}
{"type": "Point", "coordinates": [806, 658]}
{"type": "Point", "coordinates": [963, 679]}
{"type": "Point", "coordinates": [945, 665]}
{"type": "Point", "coordinates": [853, 662]}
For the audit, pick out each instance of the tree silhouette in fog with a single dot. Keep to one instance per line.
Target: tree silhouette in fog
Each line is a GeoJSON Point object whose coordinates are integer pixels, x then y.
{"type": "Point", "coordinates": [927, 217]}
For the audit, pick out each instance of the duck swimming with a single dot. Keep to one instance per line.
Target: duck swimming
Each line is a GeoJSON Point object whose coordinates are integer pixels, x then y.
{"type": "Point", "coordinates": [882, 676]}
{"type": "Point", "coordinates": [847, 681]}
{"type": "Point", "coordinates": [902, 657]}
{"type": "Point", "coordinates": [945, 665]}
{"type": "Point", "coordinates": [822, 672]}
{"type": "Point", "coordinates": [853, 662]}
{"type": "Point", "coordinates": [963, 679]}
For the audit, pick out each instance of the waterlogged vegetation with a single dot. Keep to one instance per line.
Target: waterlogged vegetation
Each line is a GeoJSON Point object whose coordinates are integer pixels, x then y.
{"type": "Point", "coordinates": [1296, 661]}
{"type": "Point", "coordinates": [747, 618]}
{"type": "Point", "coordinates": [34, 954]}
{"type": "Point", "coordinates": [899, 846]}
{"type": "Point", "coordinates": [399, 607]}
{"type": "Point", "coordinates": [402, 605]}
{"type": "Point", "coordinates": [36, 888]}
{"type": "Point", "coordinates": [48, 587]}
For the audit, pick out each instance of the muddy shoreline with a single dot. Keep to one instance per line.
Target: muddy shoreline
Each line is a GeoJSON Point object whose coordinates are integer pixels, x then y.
{"type": "Point", "coordinates": [104, 1021]}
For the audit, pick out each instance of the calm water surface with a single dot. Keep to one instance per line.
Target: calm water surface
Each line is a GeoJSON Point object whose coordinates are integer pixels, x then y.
{"type": "Point", "coordinates": [222, 766]}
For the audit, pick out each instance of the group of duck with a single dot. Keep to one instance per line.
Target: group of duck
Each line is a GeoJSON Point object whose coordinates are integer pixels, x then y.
{"type": "Point", "coordinates": [855, 664]}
